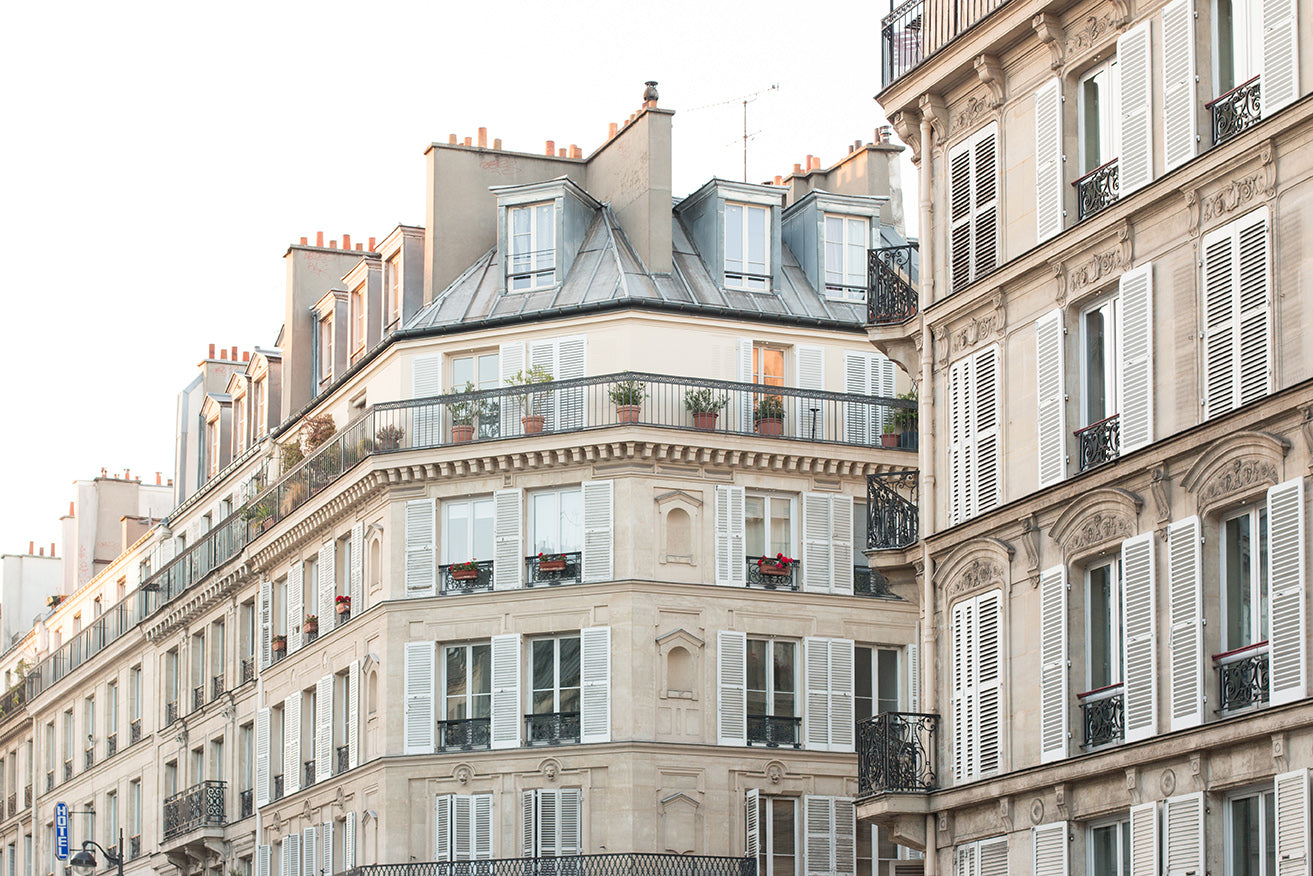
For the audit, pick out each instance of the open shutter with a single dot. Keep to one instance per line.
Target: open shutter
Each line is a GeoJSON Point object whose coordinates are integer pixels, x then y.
{"type": "Point", "coordinates": [1050, 387]}
{"type": "Point", "coordinates": [993, 857]}
{"type": "Point", "coordinates": [482, 828]}
{"type": "Point", "coordinates": [752, 823]}
{"type": "Point", "coordinates": [310, 851]}
{"type": "Point", "coordinates": [505, 721]}
{"type": "Point", "coordinates": [1253, 306]}
{"type": "Point", "coordinates": [292, 744]}
{"type": "Point", "coordinates": [816, 676]}
{"type": "Point", "coordinates": [324, 729]}
{"type": "Point", "coordinates": [985, 187]}
{"type": "Point", "coordinates": [842, 723]}
{"type": "Point", "coordinates": [1144, 839]}
{"type": "Point", "coordinates": [426, 419]}
{"type": "Point", "coordinates": [810, 362]}
{"type": "Point", "coordinates": [1053, 663]}
{"type": "Point", "coordinates": [570, 821]}
{"type": "Point", "coordinates": [1135, 369]}
{"type": "Point", "coordinates": [1279, 73]}
{"type": "Point", "coordinates": [421, 544]}
{"type": "Point", "coordinates": [349, 842]}
{"type": "Point", "coordinates": [816, 533]}
{"type": "Point", "coordinates": [291, 863]}
{"type": "Point", "coordinates": [1135, 164]}
{"type": "Point", "coordinates": [357, 570]}
{"type": "Point", "coordinates": [353, 716]}
{"type": "Point", "coordinates": [528, 824]}
{"type": "Point", "coordinates": [841, 545]}
{"type": "Point", "coordinates": [745, 400]}
{"type": "Point", "coordinates": [1178, 83]}
{"type": "Point", "coordinates": [508, 539]}
{"type": "Point", "coordinates": [327, 587]}
{"type": "Point", "coordinates": [595, 675]}
{"type": "Point", "coordinates": [913, 651]}
{"type": "Point", "coordinates": [1288, 635]}
{"type": "Point", "coordinates": [818, 835]}
{"type": "Point", "coordinates": [964, 860]}
{"type": "Point", "coordinates": [419, 726]}
{"type": "Point", "coordinates": [326, 844]}
{"type": "Point", "coordinates": [1048, 159]}
{"type": "Point", "coordinates": [731, 688]}
{"type": "Point", "coordinates": [573, 413]}
{"type": "Point", "coordinates": [959, 456]}
{"type": "Point", "coordinates": [963, 692]}
{"type": "Point", "coordinates": [510, 359]}
{"type": "Point", "coordinates": [1183, 833]}
{"type": "Point", "coordinates": [1049, 850]}
{"type": "Point", "coordinates": [262, 775]}
{"type": "Point", "coordinates": [1185, 589]}
{"type": "Point", "coordinates": [845, 837]}
{"type": "Point", "coordinates": [1219, 322]}
{"type": "Point", "coordinates": [266, 623]}
{"type": "Point", "coordinates": [264, 860]}
{"type": "Point", "coordinates": [858, 422]}
{"type": "Point", "coordinates": [987, 452]}
{"type": "Point", "coordinates": [1139, 649]}
{"type": "Point", "coordinates": [1292, 823]}
{"type": "Point", "coordinates": [959, 215]}
{"type": "Point", "coordinates": [599, 534]}
{"type": "Point", "coordinates": [731, 566]}
{"type": "Point", "coordinates": [295, 599]}
{"type": "Point", "coordinates": [989, 668]}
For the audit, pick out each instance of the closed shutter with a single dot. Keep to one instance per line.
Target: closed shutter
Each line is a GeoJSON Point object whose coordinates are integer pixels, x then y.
{"type": "Point", "coordinates": [1279, 74]}
{"type": "Point", "coordinates": [959, 456]}
{"type": "Point", "coordinates": [599, 534]}
{"type": "Point", "coordinates": [973, 207]}
{"type": "Point", "coordinates": [327, 587]}
{"type": "Point", "coordinates": [1254, 306]}
{"type": "Point", "coordinates": [291, 863]}
{"type": "Point", "coordinates": [1236, 314]}
{"type": "Point", "coordinates": [505, 720]}
{"type": "Point", "coordinates": [542, 355]}
{"type": "Point", "coordinates": [818, 830]}
{"type": "Point", "coordinates": [570, 365]}
{"type": "Point", "coordinates": [528, 824]}
{"type": "Point", "coordinates": [508, 539]}
{"type": "Point", "coordinates": [816, 534]}
{"type": "Point", "coordinates": [857, 422]}
{"type": "Point", "coordinates": [987, 454]}
{"type": "Point", "coordinates": [349, 842]}
{"type": "Point", "coordinates": [263, 782]}
{"type": "Point", "coordinates": [421, 547]}
{"type": "Point", "coordinates": [426, 419]}
{"type": "Point", "coordinates": [1049, 850]}
{"type": "Point", "coordinates": [481, 831]}
{"type": "Point", "coordinates": [510, 359]}
{"type": "Point", "coordinates": [1053, 663]}
{"type": "Point", "coordinates": [326, 844]}
{"type": "Point", "coordinates": [731, 688]}
{"type": "Point", "coordinates": [418, 729]}
{"type": "Point", "coordinates": [959, 216]}
{"type": "Point", "coordinates": [461, 827]}
{"type": "Point", "coordinates": [1287, 636]}
{"type": "Point", "coordinates": [264, 860]}
{"type": "Point", "coordinates": [1135, 164]}
{"type": "Point", "coordinates": [295, 600]}
{"type": "Point", "coordinates": [324, 729]}
{"type": "Point", "coordinates": [963, 693]}
{"type": "Point", "coordinates": [841, 545]}
{"type": "Point", "coordinates": [989, 654]}
{"type": "Point", "coordinates": [353, 716]}
{"type": "Point", "coordinates": [357, 568]}
{"type": "Point", "coordinates": [1135, 368]}
{"type": "Point", "coordinates": [1178, 83]}
{"type": "Point", "coordinates": [977, 688]}
{"type": "Point", "coordinates": [1292, 823]}
{"type": "Point", "coordinates": [292, 744]}
{"type": "Point", "coordinates": [1050, 387]}
{"type": "Point", "coordinates": [913, 650]}
{"type": "Point", "coordinates": [745, 400]}
{"type": "Point", "coordinates": [842, 722]}
{"type": "Point", "coordinates": [1048, 159]}
{"type": "Point", "coordinates": [266, 623]}
{"type": "Point", "coordinates": [595, 675]}
{"type": "Point", "coordinates": [1144, 839]}
{"type": "Point", "coordinates": [1139, 650]}
{"type": "Point", "coordinates": [845, 837]}
{"type": "Point", "coordinates": [1183, 835]}
{"type": "Point", "coordinates": [993, 857]}
{"type": "Point", "coordinates": [752, 823]}
{"type": "Point", "coordinates": [828, 674]}
{"type": "Point", "coordinates": [570, 809]}
{"type": "Point", "coordinates": [731, 561]}
{"type": "Point", "coordinates": [1185, 589]}
{"type": "Point", "coordinates": [310, 851]}
{"type": "Point", "coordinates": [810, 362]}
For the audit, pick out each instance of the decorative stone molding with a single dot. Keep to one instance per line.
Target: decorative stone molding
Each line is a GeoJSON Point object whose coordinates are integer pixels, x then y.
{"type": "Point", "coordinates": [550, 769]}
{"type": "Point", "coordinates": [990, 72]}
{"type": "Point", "coordinates": [933, 108]}
{"type": "Point", "coordinates": [774, 772]}
{"type": "Point", "coordinates": [1060, 800]}
{"type": "Point", "coordinates": [1235, 468]}
{"type": "Point", "coordinates": [1306, 429]}
{"type": "Point", "coordinates": [1097, 265]}
{"type": "Point", "coordinates": [1059, 283]}
{"type": "Point", "coordinates": [1092, 32]}
{"type": "Point", "coordinates": [908, 125]}
{"type": "Point", "coordinates": [1232, 195]}
{"type": "Point", "coordinates": [1160, 487]}
{"type": "Point", "coordinates": [974, 565]}
{"type": "Point", "coordinates": [1233, 187]}
{"type": "Point", "coordinates": [982, 327]}
{"type": "Point", "coordinates": [974, 109]}
{"type": "Point", "coordinates": [1005, 813]}
{"type": "Point", "coordinates": [1096, 522]}
{"type": "Point", "coordinates": [941, 344]}
{"type": "Point", "coordinates": [1036, 811]}
{"type": "Point", "coordinates": [1030, 541]}
{"type": "Point", "coordinates": [1048, 27]}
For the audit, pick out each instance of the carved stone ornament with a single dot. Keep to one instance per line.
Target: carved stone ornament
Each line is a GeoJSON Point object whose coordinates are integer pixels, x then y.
{"type": "Point", "coordinates": [1036, 811]}
{"type": "Point", "coordinates": [550, 768]}
{"type": "Point", "coordinates": [1048, 27]}
{"type": "Point", "coordinates": [981, 328]}
{"type": "Point", "coordinates": [1030, 541]}
{"type": "Point", "coordinates": [1233, 195]}
{"type": "Point", "coordinates": [1159, 488]}
{"type": "Point", "coordinates": [1099, 265]}
{"type": "Point", "coordinates": [1167, 782]}
{"type": "Point", "coordinates": [976, 108]}
{"type": "Point", "coordinates": [990, 72]}
{"type": "Point", "coordinates": [1235, 468]}
{"type": "Point", "coordinates": [463, 773]}
{"type": "Point", "coordinates": [1235, 477]}
{"type": "Point", "coordinates": [977, 575]}
{"type": "Point", "coordinates": [1306, 429]}
{"type": "Point", "coordinates": [933, 109]}
{"type": "Point", "coordinates": [941, 344]}
{"type": "Point", "coordinates": [1005, 813]}
{"type": "Point", "coordinates": [775, 772]}
{"type": "Point", "coordinates": [908, 125]}
{"type": "Point", "coordinates": [1092, 31]}
{"type": "Point", "coordinates": [1096, 522]}
{"type": "Point", "coordinates": [1059, 284]}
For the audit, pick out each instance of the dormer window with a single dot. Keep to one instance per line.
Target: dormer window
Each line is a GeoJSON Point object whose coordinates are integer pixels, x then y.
{"type": "Point", "coordinates": [260, 390]}
{"type": "Point", "coordinates": [212, 446]}
{"type": "Point", "coordinates": [325, 349]}
{"type": "Point", "coordinates": [846, 241]}
{"type": "Point", "coordinates": [747, 247]}
{"type": "Point", "coordinates": [392, 289]}
{"type": "Point", "coordinates": [532, 239]}
{"type": "Point", "coordinates": [356, 305]}
{"type": "Point", "coordinates": [239, 423]}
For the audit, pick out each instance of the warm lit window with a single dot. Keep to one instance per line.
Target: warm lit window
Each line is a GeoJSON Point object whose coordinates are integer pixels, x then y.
{"type": "Point", "coordinates": [392, 288]}
{"type": "Point", "coordinates": [357, 315]}
{"type": "Point", "coordinates": [531, 237]}
{"type": "Point", "coordinates": [847, 239]}
{"type": "Point", "coordinates": [747, 247]}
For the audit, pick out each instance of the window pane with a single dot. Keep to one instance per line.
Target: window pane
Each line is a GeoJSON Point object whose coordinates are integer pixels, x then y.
{"type": "Point", "coordinates": [783, 845]}
{"type": "Point", "coordinates": [546, 522]}
{"type": "Point", "coordinates": [1246, 849]}
{"type": "Point", "coordinates": [570, 662]}
{"type": "Point", "coordinates": [1102, 637]}
{"type": "Point", "coordinates": [572, 521]}
{"type": "Point", "coordinates": [456, 544]}
{"type": "Point", "coordinates": [1236, 587]}
{"type": "Point", "coordinates": [733, 238]}
{"type": "Point", "coordinates": [833, 250]}
{"type": "Point", "coordinates": [488, 376]}
{"type": "Point", "coordinates": [780, 534]}
{"type": "Point", "coordinates": [1261, 572]}
{"type": "Point", "coordinates": [1090, 119]}
{"type": "Point", "coordinates": [1105, 854]}
{"type": "Point", "coordinates": [757, 240]}
{"type": "Point", "coordinates": [544, 676]}
{"type": "Point", "coordinates": [756, 676]}
{"type": "Point", "coordinates": [1096, 389]}
{"type": "Point", "coordinates": [784, 680]}
{"type": "Point", "coordinates": [456, 673]}
{"type": "Point", "coordinates": [483, 529]}
{"type": "Point", "coordinates": [1226, 40]}
{"type": "Point", "coordinates": [754, 526]}
{"type": "Point", "coordinates": [462, 371]}
{"type": "Point", "coordinates": [888, 675]}
{"type": "Point", "coordinates": [863, 693]}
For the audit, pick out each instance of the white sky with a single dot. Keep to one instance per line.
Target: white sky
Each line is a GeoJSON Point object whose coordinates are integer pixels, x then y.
{"type": "Point", "coordinates": [158, 158]}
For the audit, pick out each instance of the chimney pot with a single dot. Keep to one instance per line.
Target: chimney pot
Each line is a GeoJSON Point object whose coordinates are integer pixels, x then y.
{"type": "Point", "coordinates": [360, 247]}
{"type": "Point", "coordinates": [31, 547]}
{"type": "Point", "coordinates": [223, 354]}
{"type": "Point", "coordinates": [777, 179]}
{"type": "Point", "coordinates": [70, 506]}
{"type": "Point", "coordinates": [170, 482]}
{"type": "Point", "coordinates": [469, 141]}
{"type": "Point", "coordinates": [52, 549]}
{"type": "Point", "coordinates": [157, 479]}
{"type": "Point", "coordinates": [304, 241]}
{"type": "Point", "coordinates": [611, 129]}
{"type": "Point", "coordinates": [496, 144]}
{"type": "Point", "coordinates": [371, 244]}
{"type": "Point", "coordinates": [127, 474]}
{"type": "Point", "coordinates": [332, 244]}
{"type": "Point", "coordinates": [43, 552]}
{"type": "Point", "coordinates": [560, 153]}
{"type": "Point", "coordinates": [346, 241]}
{"type": "Point", "coordinates": [650, 93]}
{"type": "Point", "coordinates": [816, 162]}
{"type": "Point", "coordinates": [234, 352]}
{"type": "Point", "coordinates": [246, 355]}
{"type": "Point", "coordinates": [319, 239]}
{"type": "Point", "coordinates": [575, 151]}
{"type": "Point", "coordinates": [483, 138]}
{"type": "Point", "coordinates": [451, 139]}
{"type": "Point", "coordinates": [551, 147]}
{"type": "Point", "coordinates": [797, 168]}
{"type": "Point", "coordinates": [884, 134]}
{"type": "Point", "coordinates": [211, 356]}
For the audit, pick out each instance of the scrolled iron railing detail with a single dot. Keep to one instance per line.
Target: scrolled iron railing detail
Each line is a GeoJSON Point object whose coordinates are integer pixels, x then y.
{"type": "Point", "coordinates": [464, 734]}
{"type": "Point", "coordinates": [1104, 717]}
{"type": "Point", "coordinates": [774, 731]}
{"type": "Point", "coordinates": [1099, 442]}
{"type": "Point", "coordinates": [896, 753]}
{"type": "Point", "coordinates": [199, 806]}
{"type": "Point", "coordinates": [1096, 190]}
{"type": "Point", "coordinates": [552, 728]}
{"type": "Point", "coordinates": [1243, 679]}
{"type": "Point", "coordinates": [542, 571]}
{"type": "Point", "coordinates": [1237, 110]}
{"type": "Point", "coordinates": [891, 278]}
{"type": "Point", "coordinates": [891, 509]}
{"type": "Point", "coordinates": [246, 803]}
{"type": "Point", "coordinates": [481, 581]}
{"type": "Point", "coordinates": [767, 576]}
{"type": "Point", "coordinates": [869, 582]}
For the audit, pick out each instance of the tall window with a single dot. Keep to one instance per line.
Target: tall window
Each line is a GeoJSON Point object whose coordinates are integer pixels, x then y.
{"type": "Point", "coordinates": [777, 836]}
{"type": "Point", "coordinates": [847, 239]}
{"type": "Point", "coordinates": [467, 674]}
{"type": "Point", "coordinates": [1110, 848]}
{"type": "Point", "coordinates": [239, 424]}
{"type": "Point", "coordinates": [531, 235]}
{"type": "Point", "coordinates": [260, 389]}
{"type": "Point", "coordinates": [1097, 105]}
{"type": "Point", "coordinates": [392, 289]}
{"type": "Point", "coordinates": [325, 329]}
{"type": "Point", "coordinates": [772, 679]}
{"type": "Point", "coordinates": [1251, 835]}
{"type": "Point", "coordinates": [747, 247]}
{"type": "Point", "coordinates": [555, 675]}
{"type": "Point", "coordinates": [1103, 587]}
{"type": "Point", "coordinates": [1099, 361]}
{"type": "Point", "coordinates": [357, 316]}
{"type": "Point", "coordinates": [111, 818]}
{"type": "Point", "coordinates": [877, 688]}
{"type": "Point", "coordinates": [481, 372]}
{"type": "Point", "coordinates": [1244, 578]}
{"type": "Point", "coordinates": [212, 447]}
{"type": "Point", "coordinates": [112, 708]}
{"type": "Point", "coordinates": [768, 525]}
{"type": "Point", "coordinates": [1238, 43]}
{"type": "Point", "coordinates": [557, 521]}
{"type": "Point", "coordinates": [467, 530]}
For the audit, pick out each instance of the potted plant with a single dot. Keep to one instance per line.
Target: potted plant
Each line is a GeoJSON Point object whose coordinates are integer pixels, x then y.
{"type": "Point", "coordinates": [889, 437]}
{"type": "Point", "coordinates": [259, 514]}
{"type": "Point", "coordinates": [342, 603]}
{"type": "Point", "coordinates": [463, 414]}
{"type": "Point", "coordinates": [705, 406]}
{"type": "Point", "coordinates": [278, 644]}
{"type": "Point", "coordinates": [531, 400]}
{"type": "Point", "coordinates": [551, 562]}
{"type": "Point", "coordinates": [769, 415]}
{"type": "Point", "coordinates": [466, 571]}
{"type": "Point", "coordinates": [777, 566]}
{"type": "Point", "coordinates": [53, 600]}
{"type": "Point", "coordinates": [389, 437]}
{"type": "Point", "coordinates": [311, 625]}
{"type": "Point", "coordinates": [904, 421]}
{"type": "Point", "coordinates": [627, 395]}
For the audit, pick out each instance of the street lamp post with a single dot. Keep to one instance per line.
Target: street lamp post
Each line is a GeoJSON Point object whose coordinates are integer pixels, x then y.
{"type": "Point", "coordinates": [83, 862]}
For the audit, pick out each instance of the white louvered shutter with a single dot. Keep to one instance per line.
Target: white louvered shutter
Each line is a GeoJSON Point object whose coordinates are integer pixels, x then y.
{"type": "Point", "coordinates": [993, 857]}
{"type": "Point", "coordinates": [291, 863]}
{"type": "Point", "coordinates": [326, 844]}
{"type": "Point", "coordinates": [599, 531]}
{"type": "Point", "coordinates": [510, 359]}
{"type": "Point", "coordinates": [913, 650]}
{"type": "Point", "coordinates": [349, 842]}
{"type": "Point", "coordinates": [1053, 663]}
{"type": "Point", "coordinates": [292, 744]}
{"type": "Point", "coordinates": [357, 571]}
{"type": "Point", "coordinates": [481, 829]}
{"type": "Point", "coordinates": [1254, 306]}
{"type": "Point", "coordinates": [1139, 648]}
{"type": "Point", "coordinates": [462, 824]}
{"type": "Point", "coordinates": [963, 691]}
{"type": "Point", "coordinates": [965, 860]}
{"type": "Point", "coordinates": [264, 860]}
{"type": "Point", "coordinates": [1049, 850]}
{"type": "Point", "coordinates": [845, 837]}
{"type": "Point", "coordinates": [570, 365]}
{"type": "Point", "coordinates": [327, 587]}
{"type": "Point", "coordinates": [266, 623]}
{"type": "Point", "coordinates": [752, 823]}
{"type": "Point", "coordinates": [595, 676]}
{"type": "Point", "coordinates": [1288, 632]}
{"type": "Point", "coordinates": [1279, 73]}
{"type": "Point", "coordinates": [263, 781]}
{"type": "Point", "coordinates": [1135, 368]}
{"type": "Point", "coordinates": [959, 455]}
{"type": "Point", "coordinates": [857, 422]}
{"type": "Point", "coordinates": [1144, 839]}
{"type": "Point", "coordinates": [505, 721]}
{"type": "Point", "coordinates": [324, 729]}
{"type": "Point", "coordinates": [310, 851]}
{"type": "Point", "coordinates": [987, 454]}
{"type": "Point", "coordinates": [1219, 321]}
{"type": "Point", "coordinates": [1185, 591]}
{"type": "Point", "coordinates": [745, 400]}
{"type": "Point", "coordinates": [1051, 389]}
{"type": "Point", "coordinates": [989, 669]}
{"type": "Point", "coordinates": [841, 545]}
{"type": "Point", "coordinates": [1236, 314]}
{"type": "Point", "coordinates": [508, 539]}
{"type": "Point", "coordinates": [731, 566]}
{"type": "Point", "coordinates": [421, 547]}
{"type": "Point", "coordinates": [529, 824]}
{"type": "Point", "coordinates": [570, 812]}
{"type": "Point", "coordinates": [977, 691]}
{"type": "Point", "coordinates": [816, 677]}
{"type": "Point", "coordinates": [1183, 835]}
{"type": "Point", "coordinates": [1135, 164]}
{"type": "Point", "coordinates": [959, 215]}
{"type": "Point", "coordinates": [1292, 823]}
{"type": "Point", "coordinates": [1179, 119]}
{"type": "Point", "coordinates": [818, 835]}
{"type": "Point", "coordinates": [542, 355]}
{"type": "Point", "coordinates": [810, 362]}
{"type": "Point", "coordinates": [731, 688]}
{"type": "Point", "coordinates": [353, 716]}
{"type": "Point", "coordinates": [842, 722]}
{"type": "Point", "coordinates": [1048, 159]}
{"type": "Point", "coordinates": [985, 186]}
{"type": "Point", "coordinates": [816, 533]}
{"type": "Point", "coordinates": [295, 603]}
{"type": "Point", "coordinates": [419, 727]}
{"type": "Point", "coordinates": [426, 419]}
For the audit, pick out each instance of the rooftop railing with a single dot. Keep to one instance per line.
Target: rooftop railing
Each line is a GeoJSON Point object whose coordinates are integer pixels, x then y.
{"type": "Point", "coordinates": [917, 29]}
{"type": "Point", "coordinates": [891, 271]}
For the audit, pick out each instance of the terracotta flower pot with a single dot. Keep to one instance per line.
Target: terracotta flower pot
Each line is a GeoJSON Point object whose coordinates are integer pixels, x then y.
{"type": "Point", "coordinates": [278, 646]}
{"type": "Point", "coordinates": [770, 426]}
{"type": "Point", "coordinates": [464, 574]}
{"type": "Point", "coordinates": [533, 424]}
{"type": "Point", "coordinates": [889, 439]}
{"type": "Point", "coordinates": [343, 608]}
{"type": "Point", "coordinates": [551, 566]}
{"type": "Point", "coordinates": [705, 419]}
{"type": "Point", "coordinates": [767, 569]}
{"type": "Point", "coordinates": [626, 413]}
{"type": "Point", "coordinates": [462, 432]}
{"type": "Point", "coordinates": [310, 628]}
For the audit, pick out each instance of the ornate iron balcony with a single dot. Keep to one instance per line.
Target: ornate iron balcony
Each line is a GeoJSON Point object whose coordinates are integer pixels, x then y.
{"type": "Point", "coordinates": [134, 731]}
{"type": "Point", "coordinates": [766, 573]}
{"type": "Point", "coordinates": [68, 769]}
{"type": "Point", "coordinates": [197, 697]}
{"type": "Point", "coordinates": [541, 571]}
{"type": "Point", "coordinates": [552, 728]}
{"type": "Point", "coordinates": [308, 768]}
{"type": "Point", "coordinates": [891, 509]}
{"type": "Point", "coordinates": [248, 669]}
{"type": "Point", "coordinates": [342, 756]}
{"type": "Point", "coordinates": [1242, 675]}
{"type": "Point", "coordinates": [1104, 716]}
{"type": "Point", "coordinates": [111, 744]}
{"type": "Point", "coordinates": [774, 731]}
{"type": "Point", "coordinates": [50, 780]}
{"type": "Point", "coordinates": [891, 296]}
{"type": "Point", "coordinates": [12, 700]}
{"type": "Point", "coordinates": [170, 712]}
{"type": "Point", "coordinates": [199, 806]}
{"type": "Point", "coordinates": [90, 754]}
{"type": "Point", "coordinates": [1096, 190]}
{"type": "Point", "coordinates": [13, 805]}
{"type": "Point", "coordinates": [27, 796]}
{"type": "Point", "coordinates": [278, 787]}
{"type": "Point", "coordinates": [1099, 442]}
{"type": "Point", "coordinates": [869, 582]}
{"type": "Point", "coordinates": [896, 753]}
{"type": "Point", "coordinates": [612, 864]}
{"type": "Point", "coordinates": [134, 847]}
{"type": "Point", "coordinates": [474, 580]}
{"type": "Point", "coordinates": [1235, 111]}
{"type": "Point", "coordinates": [464, 734]}
{"type": "Point", "coordinates": [246, 803]}
{"type": "Point", "coordinates": [216, 687]}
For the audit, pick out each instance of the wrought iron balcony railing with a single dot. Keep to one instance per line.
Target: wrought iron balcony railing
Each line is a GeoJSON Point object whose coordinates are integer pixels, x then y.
{"type": "Point", "coordinates": [1096, 190]}
{"type": "Point", "coordinates": [13, 700]}
{"type": "Point", "coordinates": [774, 731]}
{"type": "Point", "coordinates": [170, 712]}
{"type": "Point", "coordinates": [111, 744]}
{"type": "Point", "coordinates": [134, 847]}
{"type": "Point", "coordinates": [464, 734]}
{"type": "Point", "coordinates": [68, 769]}
{"type": "Point", "coordinates": [772, 573]}
{"type": "Point", "coordinates": [917, 29]}
{"type": "Point", "coordinates": [90, 758]}
{"type": "Point", "coordinates": [1104, 716]}
{"type": "Point", "coordinates": [1243, 676]}
{"type": "Point", "coordinates": [216, 687]}
{"type": "Point", "coordinates": [1099, 442]}
{"type": "Point", "coordinates": [12, 809]}
{"type": "Point", "coordinates": [474, 580]}
{"type": "Point", "coordinates": [134, 731]}
{"type": "Point", "coordinates": [278, 787]}
{"type": "Point", "coordinates": [308, 773]}
{"type": "Point", "coordinates": [552, 728]}
{"type": "Point", "coordinates": [609, 864]}
{"type": "Point", "coordinates": [197, 697]}
{"type": "Point", "coordinates": [891, 273]}
{"type": "Point", "coordinates": [551, 570]}
{"type": "Point", "coordinates": [896, 753]}
{"type": "Point", "coordinates": [869, 582]}
{"type": "Point", "coordinates": [248, 669]}
{"type": "Point", "coordinates": [199, 806]}
{"type": "Point", "coordinates": [341, 759]}
{"type": "Point", "coordinates": [246, 803]}
{"type": "Point", "coordinates": [50, 780]}
{"type": "Point", "coordinates": [891, 509]}
{"type": "Point", "coordinates": [1237, 110]}
{"type": "Point", "coordinates": [27, 795]}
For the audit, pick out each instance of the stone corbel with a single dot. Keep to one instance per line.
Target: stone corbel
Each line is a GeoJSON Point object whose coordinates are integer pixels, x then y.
{"type": "Point", "coordinates": [1126, 242]}
{"type": "Point", "coordinates": [1121, 12]}
{"type": "Point", "coordinates": [1192, 205]}
{"type": "Point", "coordinates": [935, 110]}
{"type": "Point", "coordinates": [908, 125]}
{"type": "Point", "coordinates": [1306, 428]}
{"type": "Point", "coordinates": [990, 72]}
{"type": "Point", "coordinates": [1060, 796]}
{"type": "Point", "coordinates": [1048, 27]}
{"type": "Point", "coordinates": [1279, 759]}
{"type": "Point", "coordinates": [1133, 784]}
{"type": "Point", "coordinates": [1030, 541]}
{"type": "Point", "coordinates": [1005, 813]}
{"type": "Point", "coordinates": [1267, 156]}
{"type": "Point", "coordinates": [1060, 281]}
{"type": "Point", "coordinates": [941, 344]}
{"type": "Point", "coordinates": [1000, 312]}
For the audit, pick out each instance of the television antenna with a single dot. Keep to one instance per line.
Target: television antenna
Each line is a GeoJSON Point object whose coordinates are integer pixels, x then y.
{"type": "Point", "coordinates": [744, 100]}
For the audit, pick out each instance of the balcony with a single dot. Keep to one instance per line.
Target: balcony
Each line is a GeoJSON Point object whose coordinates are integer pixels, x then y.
{"type": "Point", "coordinates": [197, 698]}
{"type": "Point", "coordinates": [464, 734]}
{"type": "Point", "coordinates": [1235, 111]}
{"type": "Point", "coordinates": [246, 803]}
{"type": "Point", "coordinates": [134, 847]}
{"type": "Point", "coordinates": [90, 755]}
{"type": "Point", "coordinates": [50, 780]}
{"type": "Point", "coordinates": [111, 744]}
{"type": "Point", "coordinates": [197, 807]}
{"type": "Point", "coordinates": [341, 760]}
{"type": "Point", "coordinates": [919, 28]}
{"type": "Point", "coordinates": [549, 570]}
{"type": "Point", "coordinates": [775, 731]}
{"type": "Point", "coordinates": [869, 582]}
{"type": "Point", "coordinates": [308, 773]}
{"type": "Point", "coordinates": [1099, 442]}
{"type": "Point", "coordinates": [12, 805]}
{"type": "Point", "coordinates": [552, 728]}
{"type": "Point", "coordinates": [610, 864]}
{"type": "Point", "coordinates": [1242, 677]}
{"type": "Point", "coordinates": [68, 769]}
{"type": "Point", "coordinates": [216, 687]}
{"type": "Point", "coordinates": [891, 296]}
{"type": "Point", "coordinates": [13, 700]}
{"type": "Point", "coordinates": [1096, 190]}
{"type": "Point", "coordinates": [27, 796]}
{"type": "Point", "coordinates": [767, 573]}
{"type": "Point", "coordinates": [1104, 716]}
{"type": "Point", "coordinates": [248, 669]}
{"type": "Point", "coordinates": [896, 754]}
{"type": "Point", "coordinates": [466, 580]}
{"type": "Point", "coordinates": [278, 788]}
{"type": "Point", "coordinates": [170, 712]}
{"type": "Point", "coordinates": [134, 731]}
{"type": "Point", "coordinates": [891, 510]}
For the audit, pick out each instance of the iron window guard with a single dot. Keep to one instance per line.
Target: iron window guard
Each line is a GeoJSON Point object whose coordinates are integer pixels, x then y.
{"type": "Point", "coordinates": [1235, 111]}
{"type": "Point", "coordinates": [896, 753]}
{"type": "Point", "coordinates": [464, 734]}
{"type": "Point", "coordinates": [1099, 442]}
{"type": "Point", "coordinates": [1096, 190]}
{"type": "Point", "coordinates": [1103, 716]}
{"type": "Point", "coordinates": [551, 728]}
{"type": "Point", "coordinates": [1242, 677]}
